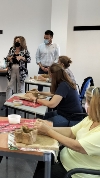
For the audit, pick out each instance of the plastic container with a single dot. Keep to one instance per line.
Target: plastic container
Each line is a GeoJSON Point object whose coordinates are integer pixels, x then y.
{"type": "Point", "coordinates": [17, 102]}
{"type": "Point", "coordinates": [14, 118]}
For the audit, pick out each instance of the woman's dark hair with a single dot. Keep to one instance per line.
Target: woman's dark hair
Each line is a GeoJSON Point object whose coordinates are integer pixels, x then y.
{"type": "Point", "coordinates": [66, 61]}
{"type": "Point", "coordinates": [58, 75]}
{"type": "Point", "coordinates": [49, 32]}
{"type": "Point", "coordinates": [22, 42]}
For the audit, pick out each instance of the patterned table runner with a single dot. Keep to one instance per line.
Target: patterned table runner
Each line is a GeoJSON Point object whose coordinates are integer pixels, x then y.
{"type": "Point", "coordinates": [26, 103]}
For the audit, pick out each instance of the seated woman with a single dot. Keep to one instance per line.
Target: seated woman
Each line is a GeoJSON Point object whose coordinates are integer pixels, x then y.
{"type": "Point", "coordinates": [65, 97]}
{"type": "Point", "coordinates": [82, 144]}
{"type": "Point", "coordinates": [65, 62]}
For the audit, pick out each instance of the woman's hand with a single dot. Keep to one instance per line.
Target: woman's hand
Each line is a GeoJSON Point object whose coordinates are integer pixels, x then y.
{"type": "Point", "coordinates": [41, 126]}
{"type": "Point", "coordinates": [41, 78]}
{"type": "Point", "coordinates": [20, 57]}
{"type": "Point", "coordinates": [10, 58]}
{"type": "Point", "coordinates": [30, 95]}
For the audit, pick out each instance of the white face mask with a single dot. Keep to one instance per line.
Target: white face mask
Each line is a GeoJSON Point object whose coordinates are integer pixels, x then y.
{"type": "Point", "coordinates": [86, 107]}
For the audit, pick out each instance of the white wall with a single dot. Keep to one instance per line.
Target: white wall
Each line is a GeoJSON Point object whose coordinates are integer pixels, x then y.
{"type": "Point", "coordinates": [29, 18]}
{"type": "Point", "coordinates": [59, 22]}
{"type": "Point", "coordinates": [84, 46]}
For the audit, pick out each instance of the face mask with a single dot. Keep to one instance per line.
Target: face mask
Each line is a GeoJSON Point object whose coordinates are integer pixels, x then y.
{"type": "Point", "coordinates": [86, 107]}
{"type": "Point", "coordinates": [46, 41]}
{"type": "Point", "coordinates": [17, 44]}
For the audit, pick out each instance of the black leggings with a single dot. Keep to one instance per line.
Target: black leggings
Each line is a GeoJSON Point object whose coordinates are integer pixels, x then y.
{"type": "Point", "coordinates": [57, 169]}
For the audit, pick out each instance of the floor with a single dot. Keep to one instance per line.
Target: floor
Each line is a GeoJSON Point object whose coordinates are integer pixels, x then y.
{"type": "Point", "coordinates": [15, 168]}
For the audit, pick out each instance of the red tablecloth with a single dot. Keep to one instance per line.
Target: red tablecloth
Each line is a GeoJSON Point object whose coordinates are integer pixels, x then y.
{"type": "Point", "coordinates": [26, 103]}
{"type": "Point", "coordinates": [6, 127]}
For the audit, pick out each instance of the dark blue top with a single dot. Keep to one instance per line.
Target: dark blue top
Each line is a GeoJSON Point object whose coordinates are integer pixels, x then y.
{"type": "Point", "coordinates": [70, 102]}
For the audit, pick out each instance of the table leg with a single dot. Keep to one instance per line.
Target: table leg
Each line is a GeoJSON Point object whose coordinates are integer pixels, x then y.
{"type": "Point", "coordinates": [14, 111]}
{"type": "Point", "coordinates": [47, 165]}
{"type": "Point", "coordinates": [24, 114]}
{"type": "Point", "coordinates": [6, 112]}
{"type": "Point", "coordinates": [28, 86]}
{"type": "Point", "coordinates": [27, 115]}
{"type": "Point", "coordinates": [25, 87]}
{"type": "Point", "coordinates": [16, 85]}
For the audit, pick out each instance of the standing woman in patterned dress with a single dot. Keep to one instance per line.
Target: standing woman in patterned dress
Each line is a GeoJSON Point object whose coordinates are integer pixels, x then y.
{"type": "Point", "coordinates": [17, 60]}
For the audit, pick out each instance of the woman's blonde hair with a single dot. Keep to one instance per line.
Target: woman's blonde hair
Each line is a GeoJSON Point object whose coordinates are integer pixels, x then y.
{"type": "Point", "coordinates": [22, 42]}
{"type": "Point", "coordinates": [93, 100]}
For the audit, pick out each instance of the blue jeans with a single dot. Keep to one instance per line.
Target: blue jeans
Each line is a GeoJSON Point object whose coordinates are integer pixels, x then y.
{"type": "Point", "coordinates": [58, 120]}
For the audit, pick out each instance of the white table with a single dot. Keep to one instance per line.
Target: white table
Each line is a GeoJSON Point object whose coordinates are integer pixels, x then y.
{"type": "Point", "coordinates": [35, 82]}
{"type": "Point", "coordinates": [41, 110]}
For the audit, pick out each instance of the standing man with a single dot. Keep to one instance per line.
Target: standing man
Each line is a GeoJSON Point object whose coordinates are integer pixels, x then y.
{"type": "Point", "coordinates": [47, 53]}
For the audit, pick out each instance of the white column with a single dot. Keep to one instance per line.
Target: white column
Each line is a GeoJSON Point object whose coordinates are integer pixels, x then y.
{"type": "Point", "coordinates": [59, 21]}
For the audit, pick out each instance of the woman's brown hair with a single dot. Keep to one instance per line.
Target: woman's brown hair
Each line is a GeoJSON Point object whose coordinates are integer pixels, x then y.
{"type": "Point", "coordinates": [66, 61]}
{"type": "Point", "coordinates": [93, 100]}
{"type": "Point", "coordinates": [22, 42]}
{"type": "Point", "coordinates": [58, 75]}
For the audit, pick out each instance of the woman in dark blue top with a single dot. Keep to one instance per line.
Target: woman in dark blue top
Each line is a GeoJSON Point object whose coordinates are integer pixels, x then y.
{"type": "Point", "coordinates": [65, 98]}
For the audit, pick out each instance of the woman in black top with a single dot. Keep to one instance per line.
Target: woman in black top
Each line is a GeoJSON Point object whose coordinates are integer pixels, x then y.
{"type": "Point", "coordinates": [64, 97]}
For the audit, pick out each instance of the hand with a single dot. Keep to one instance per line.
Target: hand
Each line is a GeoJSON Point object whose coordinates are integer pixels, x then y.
{"type": "Point", "coordinates": [41, 126]}
{"type": "Point", "coordinates": [41, 78]}
{"type": "Point", "coordinates": [10, 58]}
{"type": "Point", "coordinates": [19, 58]}
{"type": "Point", "coordinates": [30, 95]}
{"type": "Point", "coordinates": [45, 69]}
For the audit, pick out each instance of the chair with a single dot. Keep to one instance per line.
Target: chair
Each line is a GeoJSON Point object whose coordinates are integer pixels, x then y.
{"type": "Point", "coordinates": [82, 115]}
{"type": "Point", "coordinates": [86, 83]}
{"type": "Point", "coordinates": [81, 170]}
